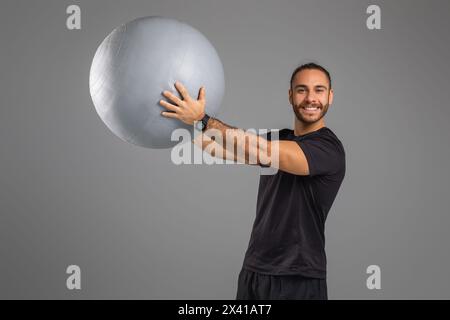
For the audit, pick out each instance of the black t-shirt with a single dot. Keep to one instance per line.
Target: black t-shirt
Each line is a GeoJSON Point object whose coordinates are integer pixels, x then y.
{"type": "Point", "coordinates": [288, 236]}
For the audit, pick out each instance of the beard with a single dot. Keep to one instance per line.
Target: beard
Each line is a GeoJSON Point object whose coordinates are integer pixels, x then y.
{"type": "Point", "coordinates": [308, 117]}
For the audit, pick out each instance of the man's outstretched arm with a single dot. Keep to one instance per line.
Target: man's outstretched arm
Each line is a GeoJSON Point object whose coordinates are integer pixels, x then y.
{"type": "Point", "coordinates": [236, 143]}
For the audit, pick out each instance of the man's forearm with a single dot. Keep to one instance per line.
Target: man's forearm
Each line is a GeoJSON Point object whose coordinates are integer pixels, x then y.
{"type": "Point", "coordinates": [237, 144]}
{"type": "Point", "coordinates": [215, 149]}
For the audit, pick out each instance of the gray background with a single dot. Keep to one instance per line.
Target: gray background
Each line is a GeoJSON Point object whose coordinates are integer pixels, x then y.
{"type": "Point", "coordinates": [141, 227]}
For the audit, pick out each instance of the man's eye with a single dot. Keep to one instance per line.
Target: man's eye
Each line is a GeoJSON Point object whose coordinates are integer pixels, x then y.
{"type": "Point", "coordinates": [300, 90]}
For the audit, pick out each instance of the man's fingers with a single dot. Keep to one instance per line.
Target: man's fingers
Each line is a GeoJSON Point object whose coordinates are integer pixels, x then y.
{"type": "Point", "coordinates": [169, 95]}
{"type": "Point", "coordinates": [201, 94]}
{"type": "Point", "coordinates": [169, 106]}
{"type": "Point", "coordinates": [182, 90]}
{"type": "Point", "coordinates": [170, 115]}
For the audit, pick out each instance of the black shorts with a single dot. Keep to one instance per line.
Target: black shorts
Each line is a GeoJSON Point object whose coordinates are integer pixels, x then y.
{"type": "Point", "coordinates": [257, 286]}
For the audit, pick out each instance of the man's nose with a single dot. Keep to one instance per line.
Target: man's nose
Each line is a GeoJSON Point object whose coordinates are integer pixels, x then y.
{"type": "Point", "coordinates": [310, 98]}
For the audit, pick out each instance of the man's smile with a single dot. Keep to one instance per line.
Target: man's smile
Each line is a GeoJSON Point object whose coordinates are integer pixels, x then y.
{"type": "Point", "coordinates": [310, 109]}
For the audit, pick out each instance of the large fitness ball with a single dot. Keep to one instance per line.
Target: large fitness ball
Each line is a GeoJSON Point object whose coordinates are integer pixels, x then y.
{"type": "Point", "coordinates": [136, 62]}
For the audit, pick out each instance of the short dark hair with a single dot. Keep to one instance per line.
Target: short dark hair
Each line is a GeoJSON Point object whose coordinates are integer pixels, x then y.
{"type": "Point", "coordinates": [311, 66]}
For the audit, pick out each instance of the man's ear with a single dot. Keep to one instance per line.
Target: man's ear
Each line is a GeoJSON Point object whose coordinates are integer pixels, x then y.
{"type": "Point", "coordinates": [331, 97]}
{"type": "Point", "coordinates": [290, 96]}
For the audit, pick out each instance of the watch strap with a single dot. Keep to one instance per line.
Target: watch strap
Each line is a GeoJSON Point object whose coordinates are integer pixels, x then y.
{"type": "Point", "coordinates": [205, 121]}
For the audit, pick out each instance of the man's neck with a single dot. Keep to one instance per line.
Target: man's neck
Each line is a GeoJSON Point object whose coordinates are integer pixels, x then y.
{"type": "Point", "coordinates": [302, 128]}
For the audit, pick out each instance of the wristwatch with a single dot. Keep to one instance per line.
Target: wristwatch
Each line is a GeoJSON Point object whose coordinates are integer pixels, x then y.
{"type": "Point", "coordinates": [201, 124]}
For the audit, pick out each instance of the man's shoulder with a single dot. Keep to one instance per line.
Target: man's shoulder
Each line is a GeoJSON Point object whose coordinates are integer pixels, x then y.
{"type": "Point", "coordinates": [327, 133]}
{"type": "Point", "coordinates": [326, 138]}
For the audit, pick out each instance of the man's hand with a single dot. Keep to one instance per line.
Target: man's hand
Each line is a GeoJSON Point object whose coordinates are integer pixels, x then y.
{"type": "Point", "coordinates": [187, 110]}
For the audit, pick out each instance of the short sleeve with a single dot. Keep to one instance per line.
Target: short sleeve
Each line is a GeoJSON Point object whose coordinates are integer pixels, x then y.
{"type": "Point", "coordinates": [325, 155]}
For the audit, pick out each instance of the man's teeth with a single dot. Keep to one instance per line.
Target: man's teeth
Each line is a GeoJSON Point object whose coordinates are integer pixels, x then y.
{"type": "Point", "coordinates": [311, 108]}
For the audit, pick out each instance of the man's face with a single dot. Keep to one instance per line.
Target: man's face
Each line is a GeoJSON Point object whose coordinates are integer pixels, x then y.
{"type": "Point", "coordinates": [310, 95]}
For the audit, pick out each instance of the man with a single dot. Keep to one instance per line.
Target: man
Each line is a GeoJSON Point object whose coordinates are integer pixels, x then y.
{"type": "Point", "coordinates": [286, 256]}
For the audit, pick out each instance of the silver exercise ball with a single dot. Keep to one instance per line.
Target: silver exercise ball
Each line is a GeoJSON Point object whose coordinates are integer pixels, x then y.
{"type": "Point", "coordinates": [136, 62]}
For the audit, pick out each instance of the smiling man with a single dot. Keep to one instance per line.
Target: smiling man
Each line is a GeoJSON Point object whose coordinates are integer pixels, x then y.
{"type": "Point", "coordinates": [286, 256]}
